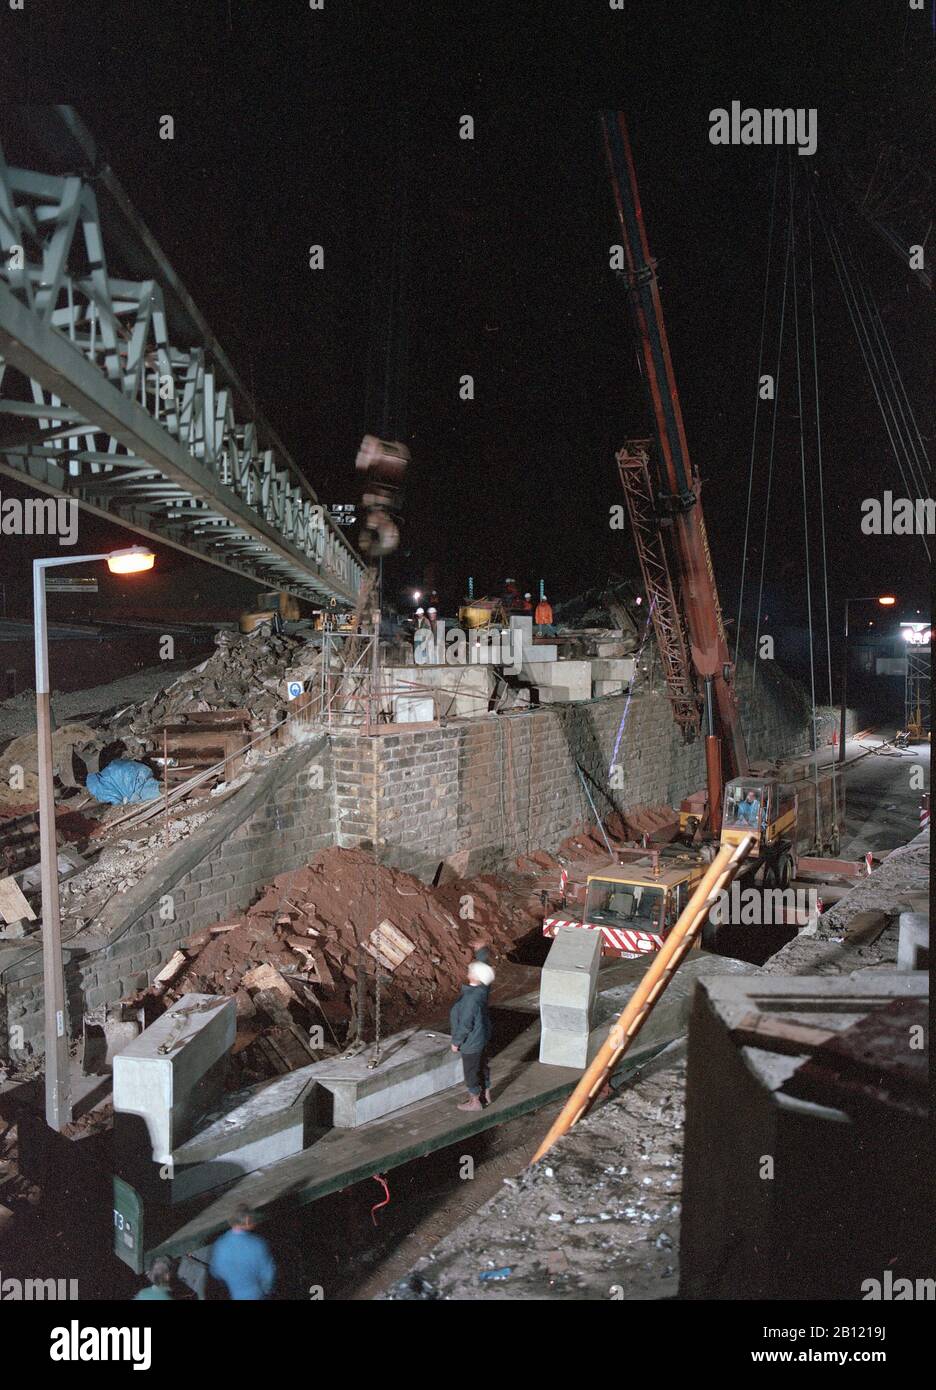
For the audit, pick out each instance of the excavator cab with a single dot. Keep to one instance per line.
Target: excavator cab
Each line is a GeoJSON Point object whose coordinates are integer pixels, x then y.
{"type": "Point", "coordinates": [765, 808]}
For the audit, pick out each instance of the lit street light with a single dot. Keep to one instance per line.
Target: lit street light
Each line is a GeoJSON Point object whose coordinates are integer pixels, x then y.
{"type": "Point", "coordinates": [57, 1078]}
{"type": "Point", "coordinates": [885, 601]}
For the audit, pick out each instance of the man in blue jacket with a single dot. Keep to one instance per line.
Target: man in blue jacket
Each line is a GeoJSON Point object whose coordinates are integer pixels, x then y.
{"type": "Point", "coordinates": [470, 1026]}
{"type": "Point", "coordinates": [241, 1259]}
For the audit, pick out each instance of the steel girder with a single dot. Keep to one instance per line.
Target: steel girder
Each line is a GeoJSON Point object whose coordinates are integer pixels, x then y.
{"type": "Point", "coordinates": [131, 425]}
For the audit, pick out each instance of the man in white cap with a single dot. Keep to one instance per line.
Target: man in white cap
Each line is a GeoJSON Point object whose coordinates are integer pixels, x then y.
{"type": "Point", "coordinates": [470, 1026]}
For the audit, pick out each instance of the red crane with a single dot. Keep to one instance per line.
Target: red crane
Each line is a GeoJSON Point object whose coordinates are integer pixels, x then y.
{"type": "Point", "coordinates": [663, 494]}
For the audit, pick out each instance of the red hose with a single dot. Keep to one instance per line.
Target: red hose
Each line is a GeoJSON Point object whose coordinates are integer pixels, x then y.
{"type": "Point", "coordinates": [379, 1177]}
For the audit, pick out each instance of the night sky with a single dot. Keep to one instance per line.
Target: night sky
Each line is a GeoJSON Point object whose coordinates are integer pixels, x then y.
{"type": "Point", "coordinates": [340, 127]}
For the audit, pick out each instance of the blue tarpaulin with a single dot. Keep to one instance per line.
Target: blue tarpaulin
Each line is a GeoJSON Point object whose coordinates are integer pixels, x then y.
{"type": "Point", "coordinates": [123, 781]}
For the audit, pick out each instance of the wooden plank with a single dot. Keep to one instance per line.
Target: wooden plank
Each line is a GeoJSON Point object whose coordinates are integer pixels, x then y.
{"type": "Point", "coordinates": [776, 1034]}
{"type": "Point", "coordinates": [171, 968]}
{"type": "Point", "coordinates": [389, 946]}
{"type": "Point", "coordinates": [267, 977]}
{"type": "Point", "coordinates": [13, 905]}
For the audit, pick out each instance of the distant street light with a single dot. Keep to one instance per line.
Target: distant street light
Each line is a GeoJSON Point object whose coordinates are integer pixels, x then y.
{"type": "Point", "coordinates": [885, 601]}
{"type": "Point", "coordinates": [57, 1078]}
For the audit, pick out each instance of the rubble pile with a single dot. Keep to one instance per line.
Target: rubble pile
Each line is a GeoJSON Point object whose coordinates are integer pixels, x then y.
{"type": "Point", "coordinates": [307, 952]}
{"type": "Point", "coordinates": [245, 672]}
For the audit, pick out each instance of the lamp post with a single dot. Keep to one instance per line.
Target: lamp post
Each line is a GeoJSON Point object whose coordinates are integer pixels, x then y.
{"type": "Point", "coordinates": [57, 1079]}
{"type": "Point", "coordinates": [886, 601]}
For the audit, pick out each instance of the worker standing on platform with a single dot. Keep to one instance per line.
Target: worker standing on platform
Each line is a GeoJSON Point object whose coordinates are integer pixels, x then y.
{"type": "Point", "coordinates": [241, 1259]}
{"type": "Point", "coordinates": [470, 1025]}
{"type": "Point", "coordinates": [543, 617]}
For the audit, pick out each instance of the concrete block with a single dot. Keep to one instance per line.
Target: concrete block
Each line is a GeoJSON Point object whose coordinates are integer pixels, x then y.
{"type": "Point", "coordinates": [414, 1064]}
{"type": "Point", "coordinates": [259, 1125]}
{"type": "Point", "coordinates": [621, 669]}
{"type": "Point", "coordinates": [560, 681]}
{"type": "Point", "coordinates": [607, 688]}
{"type": "Point", "coordinates": [796, 1236]}
{"type": "Point", "coordinates": [541, 652]}
{"type": "Point", "coordinates": [413, 709]}
{"type": "Point", "coordinates": [523, 624]}
{"type": "Point", "coordinates": [568, 985]}
{"type": "Point", "coordinates": [163, 1094]}
{"type": "Point", "coordinates": [913, 941]}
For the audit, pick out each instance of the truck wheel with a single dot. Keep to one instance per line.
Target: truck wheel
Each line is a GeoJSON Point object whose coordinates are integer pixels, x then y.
{"type": "Point", "coordinates": [784, 870]}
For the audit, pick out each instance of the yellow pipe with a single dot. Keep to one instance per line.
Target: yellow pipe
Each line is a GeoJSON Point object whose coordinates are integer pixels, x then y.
{"type": "Point", "coordinates": [640, 1005]}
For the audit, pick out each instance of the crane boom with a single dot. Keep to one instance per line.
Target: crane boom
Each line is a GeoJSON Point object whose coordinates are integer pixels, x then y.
{"type": "Point", "coordinates": [686, 613]}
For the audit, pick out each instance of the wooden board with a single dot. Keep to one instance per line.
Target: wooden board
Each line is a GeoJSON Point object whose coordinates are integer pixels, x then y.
{"type": "Point", "coordinates": [13, 905]}
{"type": "Point", "coordinates": [389, 946]}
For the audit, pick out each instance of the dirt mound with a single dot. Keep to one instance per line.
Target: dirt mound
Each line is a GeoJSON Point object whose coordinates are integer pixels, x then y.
{"type": "Point", "coordinates": [306, 952]}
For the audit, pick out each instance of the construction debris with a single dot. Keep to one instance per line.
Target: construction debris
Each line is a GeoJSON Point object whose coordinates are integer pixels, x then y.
{"type": "Point", "coordinates": [288, 975]}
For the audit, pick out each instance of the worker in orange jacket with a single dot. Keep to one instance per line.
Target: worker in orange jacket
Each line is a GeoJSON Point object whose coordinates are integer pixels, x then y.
{"type": "Point", "coordinates": [543, 617]}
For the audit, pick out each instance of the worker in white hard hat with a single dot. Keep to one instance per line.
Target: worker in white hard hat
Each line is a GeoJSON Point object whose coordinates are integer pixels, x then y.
{"type": "Point", "coordinates": [433, 617]}
{"type": "Point", "coordinates": [470, 1024]}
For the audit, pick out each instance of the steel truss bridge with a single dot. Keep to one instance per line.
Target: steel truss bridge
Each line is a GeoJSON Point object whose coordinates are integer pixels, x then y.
{"type": "Point", "coordinates": [114, 392]}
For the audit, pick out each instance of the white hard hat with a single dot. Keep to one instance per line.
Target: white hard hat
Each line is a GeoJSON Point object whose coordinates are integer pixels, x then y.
{"type": "Point", "coordinates": [484, 974]}
{"type": "Point", "coordinates": [420, 612]}
{"type": "Point", "coordinates": [433, 610]}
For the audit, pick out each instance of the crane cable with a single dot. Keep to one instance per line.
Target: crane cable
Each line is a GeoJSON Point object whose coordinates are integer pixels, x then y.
{"type": "Point", "coordinates": [822, 520]}
{"type": "Point", "coordinates": [802, 449]}
{"type": "Point", "coordinates": [757, 397]}
{"type": "Point", "coordinates": [899, 401]}
{"type": "Point", "coordinates": [770, 465]}
{"type": "Point", "coordinates": [853, 308]}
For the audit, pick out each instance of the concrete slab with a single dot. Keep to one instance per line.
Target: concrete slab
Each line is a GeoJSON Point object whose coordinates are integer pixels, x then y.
{"type": "Point", "coordinates": [559, 682]}
{"type": "Point", "coordinates": [414, 1064]}
{"type": "Point", "coordinates": [523, 624]}
{"type": "Point", "coordinates": [414, 709]}
{"type": "Point", "coordinates": [620, 669]}
{"type": "Point", "coordinates": [567, 996]}
{"type": "Point", "coordinates": [795, 1236]}
{"type": "Point", "coordinates": [541, 652]}
{"type": "Point", "coordinates": [259, 1125]}
{"type": "Point", "coordinates": [459, 691]}
{"type": "Point", "coordinates": [170, 1075]}
{"type": "Point", "coordinates": [913, 941]}
{"type": "Point", "coordinates": [600, 688]}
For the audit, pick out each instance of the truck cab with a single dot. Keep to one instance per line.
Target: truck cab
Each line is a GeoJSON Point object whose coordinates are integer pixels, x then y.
{"type": "Point", "coordinates": [765, 808]}
{"type": "Point", "coordinates": [634, 905]}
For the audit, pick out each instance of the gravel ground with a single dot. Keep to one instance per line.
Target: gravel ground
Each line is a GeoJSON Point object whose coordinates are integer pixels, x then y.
{"type": "Point", "coordinates": [599, 1217]}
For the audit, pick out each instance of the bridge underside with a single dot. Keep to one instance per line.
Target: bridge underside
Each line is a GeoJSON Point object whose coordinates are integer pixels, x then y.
{"type": "Point", "coordinates": [114, 393]}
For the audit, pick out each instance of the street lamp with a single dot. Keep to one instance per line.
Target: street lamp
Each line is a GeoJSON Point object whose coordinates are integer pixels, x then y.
{"type": "Point", "coordinates": [885, 601]}
{"type": "Point", "coordinates": [57, 1079]}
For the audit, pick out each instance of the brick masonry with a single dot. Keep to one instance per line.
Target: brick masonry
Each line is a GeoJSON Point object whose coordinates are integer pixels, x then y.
{"type": "Point", "coordinates": [275, 823]}
{"type": "Point", "coordinates": [494, 787]}
{"type": "Point", "coordinates": [502, 785]}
